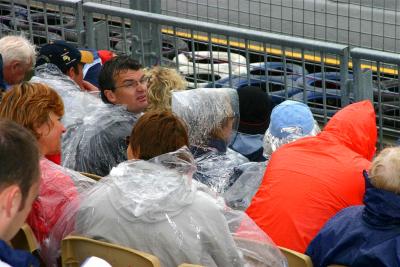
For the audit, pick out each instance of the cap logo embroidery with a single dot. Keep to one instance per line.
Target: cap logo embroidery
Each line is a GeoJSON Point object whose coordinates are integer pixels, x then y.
{"type": "Point", "coordinates": [66, 58]}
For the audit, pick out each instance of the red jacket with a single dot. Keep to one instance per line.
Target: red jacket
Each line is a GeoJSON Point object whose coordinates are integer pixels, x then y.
{"type": "Point", "coordinates": [56, 191]}
{"type": "Point", "coordinates": [310, 180]}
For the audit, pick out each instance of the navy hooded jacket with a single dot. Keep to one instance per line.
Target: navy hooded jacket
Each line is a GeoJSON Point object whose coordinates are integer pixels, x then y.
{"type": "Point", "coordinates": [361, 235]}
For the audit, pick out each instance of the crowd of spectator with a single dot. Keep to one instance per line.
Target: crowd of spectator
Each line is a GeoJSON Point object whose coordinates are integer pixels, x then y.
{"type": "Point", "coordinates": [187, 175]}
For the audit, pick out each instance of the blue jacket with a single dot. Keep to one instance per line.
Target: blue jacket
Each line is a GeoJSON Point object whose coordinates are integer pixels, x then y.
{"type": "Point", "coordinates": [361, 235]}
{"type": "Point", "coordinates": [14, 257]}
{"type": "Point", "coordinates": [2, 83]}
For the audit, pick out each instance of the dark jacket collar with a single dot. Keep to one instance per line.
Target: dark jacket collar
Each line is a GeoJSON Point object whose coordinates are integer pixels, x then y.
{"type": "Point", "coordinates": [16, 257]}
{"type": "Point", "coordinates": [382, 208]}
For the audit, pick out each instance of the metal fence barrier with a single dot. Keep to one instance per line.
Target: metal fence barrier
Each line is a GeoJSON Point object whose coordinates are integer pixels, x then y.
{"type": "Point", "coordinates": [213, 55]}
{"type": "Point", "coordinates": [43, 20]}
{"type": "Point", "coordinates": [382, 69]}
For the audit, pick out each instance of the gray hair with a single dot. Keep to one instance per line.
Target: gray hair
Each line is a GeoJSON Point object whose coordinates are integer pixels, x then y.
{"type": "Point", "coordinates": [13, 47]}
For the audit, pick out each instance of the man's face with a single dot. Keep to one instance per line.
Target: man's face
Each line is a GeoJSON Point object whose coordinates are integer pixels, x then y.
{"type": "Point", "coordinates": [77, 76]}
{"type": "Point", "coordinates": [130, 90]}
{"type": "Point", "coordinates": [20, 216]}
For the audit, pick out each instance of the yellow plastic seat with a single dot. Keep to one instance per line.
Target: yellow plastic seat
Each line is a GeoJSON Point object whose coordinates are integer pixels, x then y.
{"type": "Point", "coordinates": [25, 239]}
{"type": "Point", "coordinates": [76, 249]}
{"type": "Point", "coordinates": [91, 176]}
{"type": "Point", "coordinates": [296, 259]}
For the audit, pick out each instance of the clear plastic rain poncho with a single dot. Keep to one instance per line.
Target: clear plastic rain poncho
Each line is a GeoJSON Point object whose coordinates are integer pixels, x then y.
{"type": "Point", "coordinates": [58, 188]}
{"type": "Point", "coordinates": [77, 103]}
{"type": "Point", "coordinates": [99, 142]}
{"type": "Point", "coordinates": [154, 206]}
{"type": "Point", "coordinates": [211, 115]}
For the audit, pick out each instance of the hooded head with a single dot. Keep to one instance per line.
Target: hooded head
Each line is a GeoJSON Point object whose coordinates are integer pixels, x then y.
{"type": "Point", "coordinates": [355, 127]}
{"type": "Point", "coordinates": [210, 113]}
{"type": "Point", "coordinates": [290, 121]}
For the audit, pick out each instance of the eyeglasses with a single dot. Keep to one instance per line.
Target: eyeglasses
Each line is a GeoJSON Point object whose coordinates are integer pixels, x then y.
{"type": "Point", "coordinates": [132, 84]}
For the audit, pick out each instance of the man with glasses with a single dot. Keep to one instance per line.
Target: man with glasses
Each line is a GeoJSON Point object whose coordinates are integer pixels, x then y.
{"type": "Point", "coordinates": [99, 143]}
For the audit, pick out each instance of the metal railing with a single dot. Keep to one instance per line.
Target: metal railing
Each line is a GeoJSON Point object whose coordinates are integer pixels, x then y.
{"type": "Point", "coordinates": [381, 71]}
{"type": "Point", "coordinates": [43, 20]}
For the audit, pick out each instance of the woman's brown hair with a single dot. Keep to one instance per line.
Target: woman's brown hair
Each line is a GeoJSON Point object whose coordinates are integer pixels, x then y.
{"type": "Point", "coordinates": [157, 133]}
{"type": "Point", "coordinates": [30, 105]}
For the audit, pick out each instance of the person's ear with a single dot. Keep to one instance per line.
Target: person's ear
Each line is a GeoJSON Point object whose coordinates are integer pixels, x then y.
{"type": "Point", "coordinates": [71, 72]}
{"type": "Point", "coordinates": [14, 65]}
{"type": "Point", "coordinates": [110, 95]}
{"type": "Point", "coordinates": [11, 199]}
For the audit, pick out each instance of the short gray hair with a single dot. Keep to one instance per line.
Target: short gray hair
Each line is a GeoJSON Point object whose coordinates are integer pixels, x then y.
{"type": "Point", "coordinates": [17, 47]}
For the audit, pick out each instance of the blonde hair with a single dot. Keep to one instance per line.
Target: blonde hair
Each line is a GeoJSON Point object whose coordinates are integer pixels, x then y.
{"type": "Point", "coordinates": [13, 47]}
{"type": "Point", "coordinates": [162, 82]}
{"type": "Point", "coordinates": [30, 104]}
{"type": "Point", "coordinates": [385, 170]}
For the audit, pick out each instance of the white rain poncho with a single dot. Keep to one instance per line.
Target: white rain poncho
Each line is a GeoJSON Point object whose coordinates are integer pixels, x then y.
{"type": "Point", "coordinates": [154, 206]}
{"type": "Point", "coordinates": [77, 103]}
{"type": "Point", "coordinates": [99, 142]}
{"type": "Point", "coordinates": [207, 111]}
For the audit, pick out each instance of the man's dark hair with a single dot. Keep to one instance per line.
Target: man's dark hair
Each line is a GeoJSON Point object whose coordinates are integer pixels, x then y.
{"type": "Point", "coordinates": [19, 157]}
{"type": "Point", "coordinates": [111, 69]}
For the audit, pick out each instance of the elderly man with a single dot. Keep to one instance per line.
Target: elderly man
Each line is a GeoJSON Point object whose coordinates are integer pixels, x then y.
{"type": "Point", "coordinates": [99, 143]}
{"type": "Point", "coordinates": [19, 187]}
{"type": "Point", "coordinates": [17, 57]}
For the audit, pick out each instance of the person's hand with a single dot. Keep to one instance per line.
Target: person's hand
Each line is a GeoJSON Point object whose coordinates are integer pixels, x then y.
{"type": "Point", "coordinates": [87, 86]}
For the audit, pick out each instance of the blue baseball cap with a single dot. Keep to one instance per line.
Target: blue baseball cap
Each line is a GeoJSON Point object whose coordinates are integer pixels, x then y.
{"type": "Point", "coordinates": [290, 114]}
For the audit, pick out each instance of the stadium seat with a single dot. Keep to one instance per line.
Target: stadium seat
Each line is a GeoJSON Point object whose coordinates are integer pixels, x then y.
{"type": "Point", "coordinates": [76, 249]}
{"type": "Point", "coordinates": [91, 176]}
{"type": "Point", "coordinates": [25, 239]}
{"type": "Point", "coordinates": [296, 259]}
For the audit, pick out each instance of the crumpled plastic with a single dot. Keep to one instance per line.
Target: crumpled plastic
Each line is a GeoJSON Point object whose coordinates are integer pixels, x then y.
{"type": "Point", "coordinates": [249, 177]}
{"type": "Point", "coordinates": [77, 103]}
{"type": "Point", "coordinates": [155, 207]}
{"type": "Point", "coordinates": [58, 187]}
{"type": "Point", "coordinates": [98, 143]}
{"type": "Point", "coordinates": [204, 109]}
{"type": "Point", "coordinates": [216, 169]}
{"type": "Point", "coordinates": [272, 143]}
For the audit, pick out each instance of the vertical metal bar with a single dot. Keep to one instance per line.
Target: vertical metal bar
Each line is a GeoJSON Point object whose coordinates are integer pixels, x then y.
{"type": "Point", "coordinates": [303, 64]}
{"type": "Point", "coordinates": [285, 83]}
{"type": "Point", "coordinates": [61, 22]}
{"type": "Point", "coordinates": [14, 18]}
{"type": "Point", "coordinates": [90, 41]}
{"type": "Point", "coordinates": [380, 117]}
{"type": "Point", "coordinates": [211, 59]}
{"type": "Point", "coordinates": [124, 40]}
{"type": "Point", "coordinates": [107, 32]}
{"type": "Point", "coordinates": [193, 59]}
{"type": "Point", "coordinates": [356, 77]}
{"type": "Point", "coordinates": [142, 52]}
{"type": "Point", "coordinates": [228, 42]}
{"type": "Point", "coordinates": [176, 50]}
{"type": "Point", "coordinates": [324, 87]}
{"type": "Point", "coordinates": [344, 76]}
{"type": "Point", "coordinates": [30, 22]}
{"type": "Point", "coordinates": [246, 46]}
{"type": "Point", "coordinates": [266, 67]}
{"type": "Point", "coordinates": [46, 25]}
{"type": "Point", "coordinates": [79, 24]}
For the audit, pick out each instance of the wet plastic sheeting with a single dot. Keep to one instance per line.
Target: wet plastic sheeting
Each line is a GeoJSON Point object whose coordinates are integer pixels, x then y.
{"type": "Point", "coordinates": [154, 206]}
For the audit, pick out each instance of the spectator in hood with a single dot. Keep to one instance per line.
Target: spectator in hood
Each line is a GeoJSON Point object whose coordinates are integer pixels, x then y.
{"type": "Point", "coordinates": [18, 57]}
{"type": "Point", "coordinates": [158, 208]}
{"type": "Point", "coordinates": [255, 110]}
{"type": "Point", "coordinates": [311, 179]}
{"type": "Point", "coordinates": [69, 60]}
{"type": "Point", "coordinates": [19, 187]}
{"type": "Point", "coordinates": [39, 108]}
{"type": "Point", "coordinates": [289, 121]}
{"type": "Point", "coordinates": [211, 115]}
{"type": "Point", "coordinates": [369, 234]}
{"type": "Point", "coordinates": [98, 144]}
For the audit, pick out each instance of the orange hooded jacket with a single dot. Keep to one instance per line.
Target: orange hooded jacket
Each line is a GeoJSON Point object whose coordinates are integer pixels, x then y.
{"type": "Point", "coordinates": [310, 180]}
